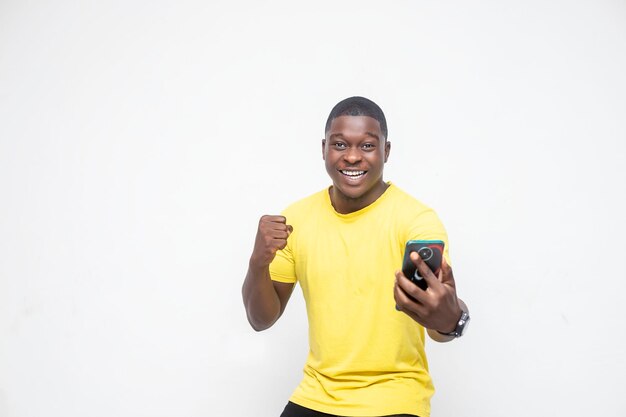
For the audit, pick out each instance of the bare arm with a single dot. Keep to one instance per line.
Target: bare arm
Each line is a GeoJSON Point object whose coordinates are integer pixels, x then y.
{"type": "Point", "coordinates": [264, 299]}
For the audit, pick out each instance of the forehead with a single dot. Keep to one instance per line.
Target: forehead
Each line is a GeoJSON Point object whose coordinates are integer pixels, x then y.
{"type": "Point", "coordinates": [354, 126]}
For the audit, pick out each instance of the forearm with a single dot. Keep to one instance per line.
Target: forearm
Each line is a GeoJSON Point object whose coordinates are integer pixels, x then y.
{"type": "Point", "coordinates": [260, 299]}
{"type": "Point", "coordinates": [442, 338]}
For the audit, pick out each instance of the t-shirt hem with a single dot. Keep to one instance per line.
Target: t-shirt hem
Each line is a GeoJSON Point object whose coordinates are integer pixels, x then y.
{"type": "Point", "coordinates": [358, 412]}
{"type": "Point", "coordinates": [279, 278]}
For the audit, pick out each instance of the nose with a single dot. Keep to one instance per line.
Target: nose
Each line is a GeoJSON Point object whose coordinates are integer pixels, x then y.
{"type": "Point", "coordinates": [352, 155]}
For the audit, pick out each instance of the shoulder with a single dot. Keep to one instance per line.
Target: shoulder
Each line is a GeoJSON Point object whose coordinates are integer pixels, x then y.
{"type": "Point", "coordinates": [412, 214]}
{"type": "Point", "coordinates": [416, 220]}
{"type": "Point", "coordinates": [303, 207]}
{"type": "Point", "coordinates": [405, 202]}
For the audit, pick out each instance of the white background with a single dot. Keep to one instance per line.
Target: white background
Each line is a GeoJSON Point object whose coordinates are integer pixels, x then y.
{"type": "Point", "coordinates": [140, 142]}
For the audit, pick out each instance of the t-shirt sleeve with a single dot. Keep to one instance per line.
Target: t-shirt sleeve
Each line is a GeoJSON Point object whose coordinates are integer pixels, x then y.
{"type": "Point", "coordinates": [282, 268]}
{"type": "Point", "coordinates": [427, 226]}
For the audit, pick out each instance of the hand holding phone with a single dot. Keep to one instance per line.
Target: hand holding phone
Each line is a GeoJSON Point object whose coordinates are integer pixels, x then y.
{"type": "Point", "coordinates": [431, 252]}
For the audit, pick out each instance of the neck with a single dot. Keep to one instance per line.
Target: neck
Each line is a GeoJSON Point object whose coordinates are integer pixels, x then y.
{"type": "Point", "coordinates": [344, 204]}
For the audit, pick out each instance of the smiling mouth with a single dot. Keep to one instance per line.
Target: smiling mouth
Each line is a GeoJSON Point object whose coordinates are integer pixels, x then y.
{"type": "Point", "coordinates": [352, 174]}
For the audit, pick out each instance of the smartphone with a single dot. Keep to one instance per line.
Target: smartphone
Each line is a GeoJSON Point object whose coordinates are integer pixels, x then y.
{"type": "Point", "coordinates": [431, 252]}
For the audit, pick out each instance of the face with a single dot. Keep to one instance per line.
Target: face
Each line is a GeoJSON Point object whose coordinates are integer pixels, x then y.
{"type": "Point", "coordinates": [355, 152]}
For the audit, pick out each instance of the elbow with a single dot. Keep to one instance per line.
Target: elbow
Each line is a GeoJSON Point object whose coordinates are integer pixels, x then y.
{"type": "Point", "coordinates": [260, 322]}
{"type": "Point", "coordinates": [260, 325]}
{"type": "Point", "coordinates": [258, 328]}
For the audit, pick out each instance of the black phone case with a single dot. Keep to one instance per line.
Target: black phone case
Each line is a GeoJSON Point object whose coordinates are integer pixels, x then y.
{"type": "Point", "coordinates": [431, 252]}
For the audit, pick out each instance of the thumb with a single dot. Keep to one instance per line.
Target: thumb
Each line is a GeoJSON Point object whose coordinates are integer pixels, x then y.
{"type": "Point", "coordinates": [290, 228]}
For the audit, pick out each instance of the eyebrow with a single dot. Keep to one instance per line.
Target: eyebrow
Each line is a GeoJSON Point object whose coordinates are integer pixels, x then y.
{"type": "Point", "coordinates": [340, 135]}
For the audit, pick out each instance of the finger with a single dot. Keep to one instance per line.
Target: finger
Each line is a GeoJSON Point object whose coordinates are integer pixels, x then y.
{"type": "Point", "coordinates": [415, 317]}
{"type": "Point", "coordinates": [282, 233]}
{"type": "Point", "coordinates": [406, 305]}
{"type": "Point", "coordinates": [290, 228]}
{"type": "Point", "coordinates": [403, 300]}
{"type": "Point", "coordinates": [445, 275]}
{"type": "Point", "coordinates": [274, 218]}
{"type": "Point", "coordinates": [425, 271]}
{"type": "Point", "coordinates": [279, 244]}
{"type": "Point", "coordinates": [410, 288]}
{"type": "Point", "coordinates": [276, 229]}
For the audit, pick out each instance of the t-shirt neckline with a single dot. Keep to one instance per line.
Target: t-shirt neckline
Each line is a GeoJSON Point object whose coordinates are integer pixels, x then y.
{"type": "Point", "coordinates": [359, 212]}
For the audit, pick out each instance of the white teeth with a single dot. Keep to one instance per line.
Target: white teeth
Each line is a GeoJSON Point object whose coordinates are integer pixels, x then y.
{"type": "Point", "coordinates": [353, 173]}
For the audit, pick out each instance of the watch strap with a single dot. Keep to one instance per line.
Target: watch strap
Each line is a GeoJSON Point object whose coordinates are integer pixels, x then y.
{"type": "Point", "coordinates": [460, 326]}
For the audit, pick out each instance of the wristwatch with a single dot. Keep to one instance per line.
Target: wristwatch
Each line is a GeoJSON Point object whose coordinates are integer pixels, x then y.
{"type": "Point", "coordinates": [461, 326]}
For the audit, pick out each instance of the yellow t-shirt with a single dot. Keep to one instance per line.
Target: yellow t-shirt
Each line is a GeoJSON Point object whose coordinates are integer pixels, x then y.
{"type": "Point", "coordinates": [365, 357]}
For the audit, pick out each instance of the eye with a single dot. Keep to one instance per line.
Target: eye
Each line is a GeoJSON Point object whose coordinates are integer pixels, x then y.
{"type": "Point", "coordinates": [368, 146]}
{"type": "Point", "coordinates": [339, 145]}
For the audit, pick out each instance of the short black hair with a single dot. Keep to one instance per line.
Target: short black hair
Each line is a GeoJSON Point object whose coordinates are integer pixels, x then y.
{"type": "Point", "coordinates": [358, 106]}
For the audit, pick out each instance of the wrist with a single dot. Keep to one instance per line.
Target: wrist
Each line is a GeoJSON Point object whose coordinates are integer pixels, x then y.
{"type": "Point", "coordinates": [452, 326]}
{"type": "Point", "coordinates": [257, 263]}
{"type": "Point", "coordinates": [460, 327]}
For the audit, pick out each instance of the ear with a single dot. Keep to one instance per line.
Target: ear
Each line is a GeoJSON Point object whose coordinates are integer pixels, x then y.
{"type": "Point", "coordinates": [324, 149]}
{"type": "Point", "coordinates": [387, 149]}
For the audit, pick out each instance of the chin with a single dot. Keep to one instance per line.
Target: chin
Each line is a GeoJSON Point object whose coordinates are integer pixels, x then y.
{"type": "Point", "coordinates": [352, 194]}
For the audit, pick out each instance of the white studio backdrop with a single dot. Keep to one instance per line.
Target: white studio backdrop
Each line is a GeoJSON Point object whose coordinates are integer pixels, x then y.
{"type": "Point", "coordinates": [140, 142]}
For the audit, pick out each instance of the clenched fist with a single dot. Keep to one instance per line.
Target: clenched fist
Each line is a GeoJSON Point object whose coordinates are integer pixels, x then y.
{"type": "Point", "coordinates": [271, 236]}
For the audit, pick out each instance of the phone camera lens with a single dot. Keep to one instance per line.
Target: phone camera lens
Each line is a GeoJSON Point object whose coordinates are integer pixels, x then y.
{"type": "Point", "coordinates": [425, 253]}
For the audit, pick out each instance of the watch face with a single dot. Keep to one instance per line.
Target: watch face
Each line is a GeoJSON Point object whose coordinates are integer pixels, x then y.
{"type": "Point", "coordinates": [463, 323]}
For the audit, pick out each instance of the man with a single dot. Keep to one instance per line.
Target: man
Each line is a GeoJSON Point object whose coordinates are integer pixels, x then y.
{"type": "Point", "coordinates": [344, 246]}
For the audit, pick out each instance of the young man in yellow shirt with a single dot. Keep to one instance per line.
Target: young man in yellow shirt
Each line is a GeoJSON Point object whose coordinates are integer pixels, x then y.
{"type": "Point", "coordinates": [344, 245]}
